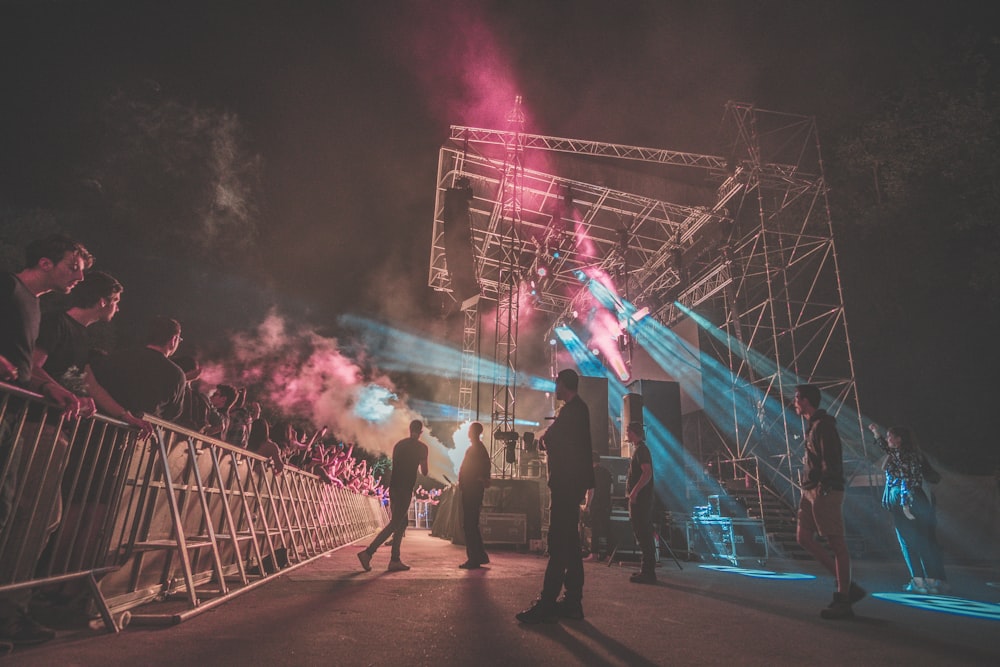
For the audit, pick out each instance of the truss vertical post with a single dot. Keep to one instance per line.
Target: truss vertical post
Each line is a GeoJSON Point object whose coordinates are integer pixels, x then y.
{"type": "Point", "coordinates": [508, 294]}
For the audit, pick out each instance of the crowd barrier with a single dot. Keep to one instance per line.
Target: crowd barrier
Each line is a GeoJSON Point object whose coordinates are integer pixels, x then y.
{"type": "Point", "coordinates": [156, 529]}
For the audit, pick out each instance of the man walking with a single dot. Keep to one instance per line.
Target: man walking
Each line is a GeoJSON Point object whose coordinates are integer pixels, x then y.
{"type": "Point", "coordinates": [571, 474]}
{"type": "Point", "coordinates": [408, 454]}
{"type": "Point", "coordinates": [821, 506]}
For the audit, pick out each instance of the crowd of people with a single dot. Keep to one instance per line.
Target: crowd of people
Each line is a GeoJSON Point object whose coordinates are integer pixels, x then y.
{"type": "Point", "coordinates": [49, 351]}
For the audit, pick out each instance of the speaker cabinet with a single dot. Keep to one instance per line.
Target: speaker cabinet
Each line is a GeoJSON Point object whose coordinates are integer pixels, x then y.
{"type": "Point", "coordinates": [594, 392]}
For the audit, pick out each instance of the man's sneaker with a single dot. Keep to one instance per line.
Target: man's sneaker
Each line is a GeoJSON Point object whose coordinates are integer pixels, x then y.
{"type": "Point", "coordinates": [643, 578]}
{"type": "Point", "coordinates": [839, 609]}
{"type": "Point", "coordinates": [366, 560]}
{"type": "Point", "coordinates": [24, 630]}
{"type": "Point", "coordinates": [539, 612]}
{"type": "Point", "coordinates": [470, 565]}
{"type": "Point", "coordinates": [855, 593]}
{"type": "Point", "coordinates": [570, 610]}
{"type": "Point", "coordinates": [397, 566]}
{"type": "Point", "coordinates": [916, 585]}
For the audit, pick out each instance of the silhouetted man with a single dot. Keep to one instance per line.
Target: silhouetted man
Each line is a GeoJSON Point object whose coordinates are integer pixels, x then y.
{"type": "Point", "coordinates": [639, 490]}
{"type": "Point", "coordinates": [821, 505]}
{"type": "Point", "coordinates": [53, 264]}
{"type": "Point", "coordinates": [571, 473]}
{"type": "Point", "coordinates": [408, 455]}
{"type": "Point", "coordinates": [473, 478]}
{"type": "Point", "coordinates": [143, 379]}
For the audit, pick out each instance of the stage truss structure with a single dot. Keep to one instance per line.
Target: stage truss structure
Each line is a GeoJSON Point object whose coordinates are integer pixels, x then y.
{"type": "Point", "coordinates": [745, 236]}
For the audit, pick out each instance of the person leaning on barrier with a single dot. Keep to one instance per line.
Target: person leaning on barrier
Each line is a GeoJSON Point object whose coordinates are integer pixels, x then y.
{"type": "Point", "coordinates": [62, 354]}
{"type": "Point", "coordinates": [54, 264]}
{"type": "Point", "coordinates": [195, 406]}
{"type": "Point", "coordinates": [222, 400]}
{"type": "Point", "coordinates": [143, 379]}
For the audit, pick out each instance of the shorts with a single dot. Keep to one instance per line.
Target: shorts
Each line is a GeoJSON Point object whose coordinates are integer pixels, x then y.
{"type": "Point", "coordinates": [823, 514]}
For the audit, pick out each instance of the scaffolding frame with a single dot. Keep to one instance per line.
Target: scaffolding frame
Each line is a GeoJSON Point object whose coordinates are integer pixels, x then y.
{"type": "Point", "coordinates": [754, 243]}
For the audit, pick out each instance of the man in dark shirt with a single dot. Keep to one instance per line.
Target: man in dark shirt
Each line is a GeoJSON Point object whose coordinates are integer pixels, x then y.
{"type": "Point", "coordinates": [473, 478]}
{"type": "Point", "coordinates": [54, 264]}
{"type": "Point", "coordinates": [408, 455]}
{"type": "Point", "coordinates": [143, 379]}
{"type": "Point", "coordinates": [571, 473]}
{"type": "Point", "coordinates": [821, 504]}
{"type": "Point", "coordinates": [62, 354]}
{"type": "Point", "coordinates": [639, 490]}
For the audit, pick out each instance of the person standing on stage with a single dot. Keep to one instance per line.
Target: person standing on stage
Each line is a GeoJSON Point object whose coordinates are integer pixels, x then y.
{"type": "Point", "coordinates": [821, 507]}
{"type": "Point", "coordinates": [473, 478]}
{"type": "Point", "coordinates": [639, 490]}
{"type": "Point", "coordinates": [408, 455]}
{"type": "Point", "coordinates": [571, 474]}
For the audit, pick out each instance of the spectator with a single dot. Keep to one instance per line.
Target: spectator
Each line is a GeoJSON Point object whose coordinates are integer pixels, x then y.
{"type": "Point", "coordinates": [222, 400]}
{"type": "Point", "coordinates": [195, 406]}
{"type": "Point", "coordinates": [54, 264]}
{"type": "Point", "coordinates": [143, 379]}
{"type": "Point", "coordinates": [62, 353]}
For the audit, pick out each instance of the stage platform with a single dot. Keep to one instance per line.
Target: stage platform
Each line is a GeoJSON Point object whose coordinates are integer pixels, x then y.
{"type": "Point", "coordinates": [330, 612]}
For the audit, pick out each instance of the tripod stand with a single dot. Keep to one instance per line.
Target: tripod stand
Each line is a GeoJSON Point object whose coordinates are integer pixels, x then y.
{"type": "Point", "coordinates": [657, 541]}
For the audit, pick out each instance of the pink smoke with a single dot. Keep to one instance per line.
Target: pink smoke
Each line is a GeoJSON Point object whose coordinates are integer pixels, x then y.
{"type": "Point", "coordinates": [302, 374]}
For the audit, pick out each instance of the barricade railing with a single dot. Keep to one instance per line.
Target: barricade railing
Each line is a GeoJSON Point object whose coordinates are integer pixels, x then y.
{"type": "Point", "coordinates": [162, 528]}
{"type": "Point", "coordinates": [61, 488]}
{"type": "Point", "coordinates": [218, 520]}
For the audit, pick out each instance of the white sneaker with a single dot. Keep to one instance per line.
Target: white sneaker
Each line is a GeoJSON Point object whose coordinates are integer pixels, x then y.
{"type": "Point", "coordinates": [916, 585]}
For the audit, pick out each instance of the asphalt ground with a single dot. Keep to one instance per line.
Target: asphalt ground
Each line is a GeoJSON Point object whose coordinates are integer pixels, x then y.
{"type": "Point", "coordinates": [331, 612]}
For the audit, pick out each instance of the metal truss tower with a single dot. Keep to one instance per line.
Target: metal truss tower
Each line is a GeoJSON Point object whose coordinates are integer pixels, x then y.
{"type": "Point", "coordinates": [747, 237]}
{"type": "Point", "coordinates": [508, 288]}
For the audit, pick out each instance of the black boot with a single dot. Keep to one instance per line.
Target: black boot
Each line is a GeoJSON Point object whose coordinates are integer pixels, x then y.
{"type": "Point", "coordinates": [839, 609]}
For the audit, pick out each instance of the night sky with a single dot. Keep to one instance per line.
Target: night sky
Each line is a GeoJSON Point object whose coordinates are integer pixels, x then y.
{"type": "Point", "coordinates": [224, 157]}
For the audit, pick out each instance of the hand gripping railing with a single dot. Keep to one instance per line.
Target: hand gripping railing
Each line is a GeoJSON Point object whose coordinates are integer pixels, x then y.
{"type": "Point", "coordinates": [61, 489]}
{"type": "Point", "coordinates": [153, 530]}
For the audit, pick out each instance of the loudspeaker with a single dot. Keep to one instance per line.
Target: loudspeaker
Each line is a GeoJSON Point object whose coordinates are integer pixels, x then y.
{"type": "Point", "coordinates": [594, 392]}
{"type": "Point", "coordinates": [622, 537]}
{"type": "Point", "coordinates": [458, 240]}
{"type": "Point", "coordinates": [660, 400]}
{"type": "Point", "coordinates": [631, 412]}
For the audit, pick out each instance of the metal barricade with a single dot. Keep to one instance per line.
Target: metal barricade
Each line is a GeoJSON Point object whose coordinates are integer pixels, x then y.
{"type": "Point", "coordinates": [159, 529]}
{"type": "Point", "coordinates": [218, 521]}
{"type": "Point", "coordinates": [61, 488]}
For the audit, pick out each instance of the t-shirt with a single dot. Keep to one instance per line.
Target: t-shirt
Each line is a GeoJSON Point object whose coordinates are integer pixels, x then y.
{"type": "Point", "coordinates": [67, 345]}
{"type": "Point", "coordinates": [640, 456]}
{"type": "Point", "coordinates": [406, 458]}
{"type": "Point", "coordinates": [20, 316]}
{"type": "Point", "coordinates": [143, 380]}
{"type": "Point", "coordinates": [475, 468]}
{"type": "Point", "coordinates": [567, 441]}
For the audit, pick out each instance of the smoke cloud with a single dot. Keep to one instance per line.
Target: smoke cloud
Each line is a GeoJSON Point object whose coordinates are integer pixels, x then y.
{"type": "Point", "coordinates": [301, 374]}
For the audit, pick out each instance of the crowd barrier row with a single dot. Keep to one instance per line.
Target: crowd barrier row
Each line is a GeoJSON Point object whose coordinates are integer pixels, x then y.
{"type": "Point", "coordinates": [157, 529]}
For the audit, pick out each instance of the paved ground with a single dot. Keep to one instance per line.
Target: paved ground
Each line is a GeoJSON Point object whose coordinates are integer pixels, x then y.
{"type": "Point", "coordinates": [329, 612]}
